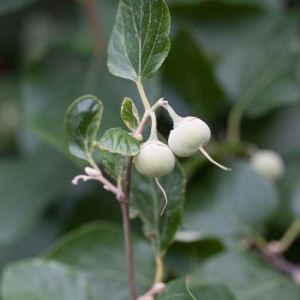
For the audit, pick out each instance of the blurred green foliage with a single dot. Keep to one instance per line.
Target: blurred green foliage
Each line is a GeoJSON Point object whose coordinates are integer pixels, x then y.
{"type": "Point", "coordinates": [231, 63]}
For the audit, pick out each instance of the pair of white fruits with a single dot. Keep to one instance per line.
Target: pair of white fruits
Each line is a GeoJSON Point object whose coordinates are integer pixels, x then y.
{"type": "Point", "coordinates": [190, 134]}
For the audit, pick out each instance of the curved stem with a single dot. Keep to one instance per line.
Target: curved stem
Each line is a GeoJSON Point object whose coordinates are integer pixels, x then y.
{"type": "Point", "coordinates": [175, 118]}
{"type": "Point", "coordinates": [143, 96]}
{"type": "Point", "coordinates": [153, 134]}
{"type": "Point", "coordinates": [159, 275]}
{"type": "Point", "coordinates": [164, 193]}
{"type": "Point", "coordinates": [234, 124]}
{"type": "Point", "coordinates": [213, 161]}
{"type": "Point", "coordinates": [290, 236]}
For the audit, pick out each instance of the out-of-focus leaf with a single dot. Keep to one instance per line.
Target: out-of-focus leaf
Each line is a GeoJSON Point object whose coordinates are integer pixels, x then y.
{"type": "Point", "coordinates": [82, 122]}
{"type": "Point", "coordinates": [185, 289]}
{"type": "Point", "coordinates": [147, 201]}
{"type": "Point", "coordinates": [97, 250]}
{"type": "Point", "coordinates": [183, 257]}
{"type": "Point", "coordinates": [27, 187]}
{"type": "Point", "coordinates": [41, 279]}
{"type": "Point", "coordinates": [195, 81]}
{"type": "Point", "coordinates": [12, 5]}
{"type": "Point", "coordinates": [248, 277]}
{"type": "Point", "coordinates": [129, 114]}
{"type": "Point", "coordinates": [117, 140]}
{"type": "Point", "coordinates": [114, 164]}
{"type": "Point", "coordinates": [261, 75]}
{"type": "Point", "coordinates": [296, 202]}
{"type": "Point", "coordinates": [227, 204]}
{"type": "Point", "coordinates": [140, 41]}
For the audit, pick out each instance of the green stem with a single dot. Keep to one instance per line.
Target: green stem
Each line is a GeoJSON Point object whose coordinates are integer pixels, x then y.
{"type": "Point", "coordinates": [290, 235]}
{"type": "Point", "coordinates": [234, 124]}
{"type": "Point", "coordinates": [143, 96]}
{"type": "Point", "coordinates": [159, 274]}
{"type": "Point", "coordinates": [153, 134]}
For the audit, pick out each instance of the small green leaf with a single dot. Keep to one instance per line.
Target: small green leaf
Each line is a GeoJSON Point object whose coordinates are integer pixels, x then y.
{"type": "Point", "coordinates": [97, 251]}
{"type": "Point", "coordinates": [129, 114]}
{"type": "Point", "coordinates": [147, 201]}
{"type": "Point", "coordinates": [41, 279]}
{"type": "Point", "coordinates": [140, 41]}
{"type": "Point", "coordinates": [82, 122]}
{"type": "Point", "coordinates": [117, 140]}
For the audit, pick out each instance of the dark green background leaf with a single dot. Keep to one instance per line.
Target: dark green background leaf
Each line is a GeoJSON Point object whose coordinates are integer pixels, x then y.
{"type": "Point", "coordinates": [82, 122]}
{"type": "Point", "coordinates": [248, 277]}
{"type": "Point", "coordinates": [223, 204]}
{"type": "Point", "coordinates": [97, 250]}
{"type": "Point", "coordinates": [117, 140]}
{"type": "Point", "coordinates": [147, 201]}
{"type": "Point", "coordinates": [140, 39]}
{"type": "Point", "coordinates": [41, 279]}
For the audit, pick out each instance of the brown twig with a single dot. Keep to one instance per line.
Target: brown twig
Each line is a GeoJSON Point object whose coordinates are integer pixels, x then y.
{"type": "Point", "coordinates": [94, 25]}
{"type": "Point", "coordinates": [127, 231]}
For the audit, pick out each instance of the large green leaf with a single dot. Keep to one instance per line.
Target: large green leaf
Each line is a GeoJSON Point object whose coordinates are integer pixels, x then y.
{"type": "Point", "coordinates": [117, 140]}
{"type": "Point", "coordinates": [225, 204]}
{"type": "Point", "coordinates": [129, 114]}
{"type": "Point", "coordinates": [82, 122]}
{"type": "Point", "coordinates": [139, 42]}
{"type": "Point", "coordinates": [97, 250]}
{"type": "Point", "coordinates": [261, 75]}
{"type": "Point", "coordinates": [28, 186]}
{"type": "Point", "coordinates": [248, 277]}
{"type": "Point", "coordinates": [147, 201]}
{"type": "Point", "coordinates": [195, 82]}
{"type": "Point", "coordinates": [41, 279]}
{"type": "Point", "coordinates": [12, 5]}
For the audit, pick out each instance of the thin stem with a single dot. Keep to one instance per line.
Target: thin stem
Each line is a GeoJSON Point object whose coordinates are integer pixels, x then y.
{"type": "Point", "coordinates": [143, 96]}
{"type": "Point", "coordinates": [159, 274]}
{"type": "Point", "coordinates": [164, 193]}
{"type": "Point", "coordinates": [234, 124]}
{"type": "Point", "coordinates": [290, 236]}
{"type": "Point", "coordinates": [127, 230]}
{"type": "Point", "coordinates": [175, 118]}
{"type": "Point", "coordinates": [213, 161]}
{"type": "Point", "coordinates": [94, 25]}
{"type": "Point", "coordinates": [153, 134]}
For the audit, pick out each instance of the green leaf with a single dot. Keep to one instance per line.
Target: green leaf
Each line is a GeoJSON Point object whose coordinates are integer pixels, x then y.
{"type": "Point", "coordinates": [248, 276]}
{"type": "Point", "coordinates": [117, 140]}
{"type": "Point", "coordinates": [28, 186]}
{"type": "Point", "coordinates": [186, 289]}
{"type": "Point", "coordinates": [12, 5]}
{"type": "Point", "coordinates": [41, 279]}
{"type": "Point", "coordinates": [234, 203]}
{"type": "Point", "coordinates": [140, 41]}
{"type": "Point", "coordinates": [271, 78]}
{"type": "Point", "coordinates": [97, 250]}
{"type": "Point", "coordinates": [82, 122]}
{"type": "Point", "coordinates": [129, 114]}
{"type": "Point", "coordinates": [196, 82]}
{"type": "Point", "coordinates": [147, 201]}
{"type": "Point", "coordinates": [296, 202]}
{"type": "Point", "coordinates": [114, 164]}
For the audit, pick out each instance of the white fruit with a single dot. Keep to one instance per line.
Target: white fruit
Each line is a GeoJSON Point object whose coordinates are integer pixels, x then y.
{"type": "Point", "coordinates": [155, 159]}
{"type": "Point", "coordinates": [268, 163]}
{"type": "Point", "coordinates": [188, 136]}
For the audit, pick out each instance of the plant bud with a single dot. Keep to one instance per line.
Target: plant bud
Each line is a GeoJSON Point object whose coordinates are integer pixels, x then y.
{"type": "Point", "coordinates": [155, 159]}
{"type": "Point", "coordinates": [268, 163]}
{"type": "Point", "coordinates": [188, 136]}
